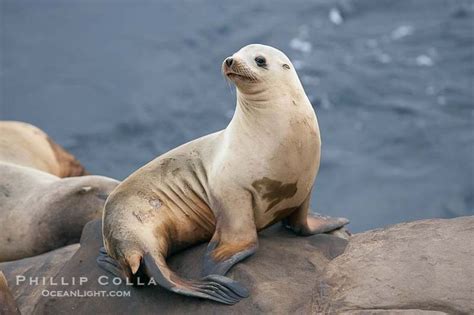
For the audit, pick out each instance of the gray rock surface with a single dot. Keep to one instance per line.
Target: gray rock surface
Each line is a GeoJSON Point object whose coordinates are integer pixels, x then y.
{"type": "Point", "coordinates": [426, 265]}
{"type": "Point", "coordinates": [281, 277]}
{"type": "Point", "coordinates": [46, 265]}
{"type": "Point", "coordinates": [423, 267]}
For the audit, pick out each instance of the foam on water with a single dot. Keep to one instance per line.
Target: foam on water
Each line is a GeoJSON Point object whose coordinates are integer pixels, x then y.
{"type": "Point", "coordinates": [119, 84]}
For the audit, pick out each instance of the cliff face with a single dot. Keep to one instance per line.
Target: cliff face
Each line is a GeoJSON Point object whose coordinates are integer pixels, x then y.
{"type": "Point", "coordinates": [422, 267]}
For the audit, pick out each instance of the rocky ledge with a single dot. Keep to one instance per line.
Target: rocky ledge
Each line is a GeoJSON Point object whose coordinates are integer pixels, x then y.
{"type": "Point", "coordinates": [421, 267]}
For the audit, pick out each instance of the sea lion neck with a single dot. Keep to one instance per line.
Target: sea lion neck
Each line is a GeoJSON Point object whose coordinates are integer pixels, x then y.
{"type": "Point", "coordinates": [269, 108]}
{"type": "Point", "coordinates": [256, 115]}
{"type": "Point", "coordinates": [267, 121]}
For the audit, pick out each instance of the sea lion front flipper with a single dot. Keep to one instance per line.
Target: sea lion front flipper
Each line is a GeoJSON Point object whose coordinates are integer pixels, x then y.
{"type": "Point", "coordinates": [234, 239]}
{"type": "Point", "coordinates": [214, 264]}
{"type": "Point", "coordinates": [302, 222]}
{"type": "Point", "coordinates": [317, 224]}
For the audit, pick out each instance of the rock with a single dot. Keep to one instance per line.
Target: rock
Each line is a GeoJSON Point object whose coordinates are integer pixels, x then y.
{"type": "Point", "coordinates": [281, 277]}
{"type": "Point", "coordinates": [46, 265]}
{"type": "Point", "coordinates": [425, 265]}
{"type": "Point", "coordinates": [422, 267]}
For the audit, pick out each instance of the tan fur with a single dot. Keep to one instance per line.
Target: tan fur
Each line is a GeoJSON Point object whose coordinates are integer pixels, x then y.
{"type": "Point", "coordinates": [40, 212]}
{"type": "Point", "coordinates": [229, 184]}
{"type": "Point", "coordinates": [7, 302]}
{"type": "Point", "coordinates": [227, 250]}
{"type": "Point", "coordinates": [26, 145]}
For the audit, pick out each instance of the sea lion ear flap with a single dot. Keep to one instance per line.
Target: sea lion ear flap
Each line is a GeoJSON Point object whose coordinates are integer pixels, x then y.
{"type": "Point", "coordinates": [85, 189]}
{"type": "Point", "coordinates": [286, 66]}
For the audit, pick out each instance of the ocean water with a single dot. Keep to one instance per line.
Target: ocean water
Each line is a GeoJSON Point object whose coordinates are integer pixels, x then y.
{"type": "Point", "coordinates": [121, 82]}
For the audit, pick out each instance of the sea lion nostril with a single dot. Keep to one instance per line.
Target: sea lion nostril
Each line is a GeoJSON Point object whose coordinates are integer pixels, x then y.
{"type": "Point", "coordinates": [229, 61]}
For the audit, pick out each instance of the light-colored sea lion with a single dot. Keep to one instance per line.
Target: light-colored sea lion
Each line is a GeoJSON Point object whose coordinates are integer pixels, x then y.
{"type": "Point", "coordinates": [7, 302]}
{"type": "Point", "coordinates": [40, 212]}
{"type": "Point", "coordinates": [27, 145]}
{"type": "Point", "coordinates": [223, 187]}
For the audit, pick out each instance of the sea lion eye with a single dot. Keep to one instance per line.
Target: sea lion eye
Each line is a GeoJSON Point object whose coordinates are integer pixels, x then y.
{"type": "Point", "coordinates": [261, 62]}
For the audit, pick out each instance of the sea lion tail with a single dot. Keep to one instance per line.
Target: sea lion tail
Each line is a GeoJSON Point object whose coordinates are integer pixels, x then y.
{"type": "Point", "coordinates": [213, 287]}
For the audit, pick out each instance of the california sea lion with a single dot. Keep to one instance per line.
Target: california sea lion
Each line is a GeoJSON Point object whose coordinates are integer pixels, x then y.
{"type": "Point", "coordinates": [27, 145]}
{"type": "Point", "coordinates": [40, 212]}
{"type": "Point", "coordinates": [7, 302]}
{"type": "Point", "coordinates": [223, 187]}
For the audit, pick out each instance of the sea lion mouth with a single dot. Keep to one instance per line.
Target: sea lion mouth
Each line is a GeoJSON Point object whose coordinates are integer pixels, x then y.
{"type": "Point", "coordinates": [233, 75]}
{"type": "Point", "coordinates": [244, 76]}
{"type": "Point", "coordinates": [238, 71]}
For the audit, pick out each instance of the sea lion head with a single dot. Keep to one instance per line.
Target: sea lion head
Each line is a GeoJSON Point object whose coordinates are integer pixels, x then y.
{"type": "Point", "coordinates": [256, 69]}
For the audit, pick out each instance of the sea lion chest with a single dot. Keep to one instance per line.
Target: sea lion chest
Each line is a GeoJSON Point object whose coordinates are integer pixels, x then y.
{"type": "Point", "coordinates": [279, 167]}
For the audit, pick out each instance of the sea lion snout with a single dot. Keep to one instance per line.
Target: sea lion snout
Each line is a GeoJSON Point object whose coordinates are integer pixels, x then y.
{"type": "Point", "coordinates": [236, 69]}
{"type": "Point", "coordinates": [227, 65]}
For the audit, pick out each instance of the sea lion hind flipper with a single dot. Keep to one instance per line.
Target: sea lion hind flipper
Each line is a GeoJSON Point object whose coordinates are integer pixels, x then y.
{"type": "Point", "coordinates": [109, 264]}
{"type": "Point", "coordinates": [212, 265]}
{"type": "Point", "coordinates": [217, 288]}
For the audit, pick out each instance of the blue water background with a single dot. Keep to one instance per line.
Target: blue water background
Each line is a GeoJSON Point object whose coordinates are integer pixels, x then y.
{"type": "Point", "coordinates": [121, 82]}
